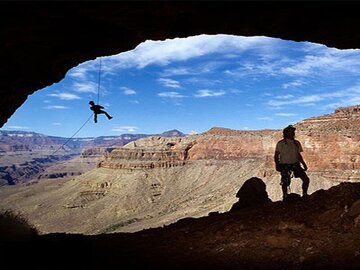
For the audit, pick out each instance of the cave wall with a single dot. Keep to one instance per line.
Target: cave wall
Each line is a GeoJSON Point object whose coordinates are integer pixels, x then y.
{"type": "Point", "coordinates": [41, 41]}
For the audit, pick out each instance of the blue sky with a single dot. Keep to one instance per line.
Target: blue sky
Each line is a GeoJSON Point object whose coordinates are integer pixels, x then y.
{"type": "Point", "coordinates": [195, 83]}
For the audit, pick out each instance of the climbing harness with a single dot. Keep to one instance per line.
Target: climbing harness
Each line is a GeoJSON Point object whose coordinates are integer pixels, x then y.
{"type": "Point", "coordinates": [286, 174]}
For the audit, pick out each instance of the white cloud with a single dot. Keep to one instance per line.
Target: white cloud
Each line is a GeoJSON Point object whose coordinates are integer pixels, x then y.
{"type": "Point", "coordinates": [285, 114]}
{"type": "Point", "coordinates": [210, 66]}
{"type": "Point", "coordinates": [318, 60]}
{"type": "Point", "coordinates": [285, 97]}
{"type": "Point", "coordinates": [209, 93]}
{"type": "Point", "coordinates": [56, 124]}
{"type": "Point", "coordinates": [84, 70]}
{"type": "Point", "coordinates": [181, 49]}
{"type": "Point", "coordinates": [322, 62]}
{"type": "Point", "coordinates": [18, 127]}
{"type": "Point", "coordinates": [269, 58]}
{"type": "Point", "coordinates": [128, 91]}
{"type": "Point", "coordinates": [347, 96]}
{"type": "Point", "coordinates": [265, 118]}
{"type": "Point", "coordinates": [125, 129]}
{"type": "Point", "coordinates": [344, 103]}
{"type": "Point", "coordinates": [292, 84]}
{"type": "Point", "coordinates": [135, 101]}
{"type": "Point", "coordinates": [204, 82]}
{"type": "Point", "coordinates": [257, 67]}
{"type": "Point", "coordinates": [177, 71]}
{"type": "Point", "coordinates": [56, 107]}
{"type": "Point", "coordinates": [85, 87]}
{"type": "Point", "coordinates": [305, 67]}
{"type": "Point", "coordinates": [230, 72]}
{"type": "Point", "coordinates": [65, 96]}
{"type": "Point", "coordinates": [169, 83]}
{"type": "Point", "coordinates": [296, 100]}
{"type": "Point", "coordinates": [170, 95]}
{"type": "Point", "coordinates": [79, 72]}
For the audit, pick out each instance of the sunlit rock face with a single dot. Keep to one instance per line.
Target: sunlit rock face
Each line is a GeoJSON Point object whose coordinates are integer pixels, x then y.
{"type": "Point", "coordinates": [158, 180]}
{"type": "Point", "coordinates": [42, 42]}
{"type": "Point", "coordinates": [332, 143]}
{"type": "Point", "coordinates": [344, 120]}
{"type": "Point", "coordinates": [331, 150]}
{"type": "Point", "coordinates": [331, 146]}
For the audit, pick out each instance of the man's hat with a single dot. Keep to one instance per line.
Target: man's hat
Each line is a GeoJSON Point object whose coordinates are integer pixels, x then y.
{"type": "Point", "coordinates": [288, 128]}
{"type": "Point", "coordinates": [91, 102]}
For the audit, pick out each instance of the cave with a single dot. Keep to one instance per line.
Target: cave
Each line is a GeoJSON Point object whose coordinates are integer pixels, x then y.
{"type": "Point", "coordinates": [41, 41]}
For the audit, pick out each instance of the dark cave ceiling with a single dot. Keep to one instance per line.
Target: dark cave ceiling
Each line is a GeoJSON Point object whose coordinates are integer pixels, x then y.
{"type": "Point", "coordinates": [41, 41]}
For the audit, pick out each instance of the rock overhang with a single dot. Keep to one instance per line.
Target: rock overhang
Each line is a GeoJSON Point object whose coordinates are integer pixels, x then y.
{"type": "Point", "coordinates": [44, 40]}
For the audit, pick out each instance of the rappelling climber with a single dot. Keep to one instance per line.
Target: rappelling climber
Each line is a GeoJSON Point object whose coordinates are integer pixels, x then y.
{"type": "Point", "coordinates": [97, 109]}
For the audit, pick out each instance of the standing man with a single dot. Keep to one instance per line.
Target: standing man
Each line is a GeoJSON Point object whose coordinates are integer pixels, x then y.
{"type": "Point", "coordinates": [288, 160]}
{"type": "Point", "coordinates": [97, 109]}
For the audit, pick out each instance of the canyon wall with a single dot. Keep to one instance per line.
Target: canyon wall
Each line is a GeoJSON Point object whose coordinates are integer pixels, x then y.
{"type": "Point", "coordinates": [331, 146]}
{"type": "Point", "coordinates": [156, 181]}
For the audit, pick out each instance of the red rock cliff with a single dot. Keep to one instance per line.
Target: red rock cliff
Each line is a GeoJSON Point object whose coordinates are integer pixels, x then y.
{"type": "Point", "coordinates": [331, 146]}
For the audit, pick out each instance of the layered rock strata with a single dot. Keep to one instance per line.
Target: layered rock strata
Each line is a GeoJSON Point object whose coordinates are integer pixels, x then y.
{"type": "Point", "coordinates": [156, 180]}
{"type": "Point", "coordinates": [88, 160]}
{"type": "Point", "coordinates": [331, 147]}
{"type": "Point", "coordinates": [155, 152]}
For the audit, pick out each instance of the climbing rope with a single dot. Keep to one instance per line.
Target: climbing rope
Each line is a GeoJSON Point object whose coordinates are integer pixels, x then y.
{"type": "Point", "coordinates": [98, 98]}
{"type": "Point", "coordinates": [72, 136]}
{"type": "Point", "coordinates": [99, 81]}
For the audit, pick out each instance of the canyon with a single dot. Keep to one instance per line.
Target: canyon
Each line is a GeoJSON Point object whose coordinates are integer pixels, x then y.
{"type": "Point", "coordinates": [43, 41]}
{"type": "Point", "coordinates": [27, 157]}
{"type": "Point", "coordinates": [156, 181]}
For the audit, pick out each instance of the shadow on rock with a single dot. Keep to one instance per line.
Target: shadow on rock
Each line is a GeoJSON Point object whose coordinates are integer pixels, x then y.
{"type": "Point", "coordinates": [293, 197]}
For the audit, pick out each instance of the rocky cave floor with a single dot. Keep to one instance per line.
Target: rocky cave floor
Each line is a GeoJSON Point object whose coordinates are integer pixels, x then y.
{"type": "Point", "coordinates": [321, 231]}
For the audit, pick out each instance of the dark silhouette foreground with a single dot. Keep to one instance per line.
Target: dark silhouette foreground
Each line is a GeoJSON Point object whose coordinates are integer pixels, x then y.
{"type": "Point", "coordinates": [98, 109]}
{"type": "Point", "coordinates": [317, 233]}
{"type": "Point", "coordinates": [252, 193]}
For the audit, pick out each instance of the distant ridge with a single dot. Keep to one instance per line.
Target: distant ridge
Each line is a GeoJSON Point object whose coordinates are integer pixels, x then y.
{"type": "Point", "coordinates": [25, 155]}
{"type": "Point", "coordinates": [28, 140]}
{"type": "Point", "coordinates": [228, 131]}
{"type": "Point", "coordinates": [343, 118]}
{"type": "Point", "coordinates": [172, 133]}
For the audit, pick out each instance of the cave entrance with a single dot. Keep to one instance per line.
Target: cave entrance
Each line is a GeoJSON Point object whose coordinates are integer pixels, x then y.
{"type": "Point", "coordinates": [195, 83]}
{"type": "Point", "coordinates": [189, 85]}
